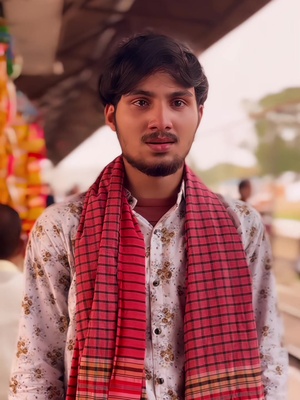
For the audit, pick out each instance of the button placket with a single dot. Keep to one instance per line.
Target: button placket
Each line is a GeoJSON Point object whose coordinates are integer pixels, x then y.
{"type": "Point", "coordinates": [157, 289]}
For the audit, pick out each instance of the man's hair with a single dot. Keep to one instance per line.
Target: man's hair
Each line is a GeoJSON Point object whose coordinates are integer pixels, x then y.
{"type": "Point", "coordinates": [143, 55]}
{"type": "Point", "coordinates": [10, 231]}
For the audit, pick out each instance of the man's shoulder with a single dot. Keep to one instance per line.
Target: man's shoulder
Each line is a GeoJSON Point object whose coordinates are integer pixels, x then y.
{"type": "Point", "coordinates": [64, 215]}
{"type": "Point", "coordinates": [247, 220]}
{"type": "Point", "coordinates": [241, 208]}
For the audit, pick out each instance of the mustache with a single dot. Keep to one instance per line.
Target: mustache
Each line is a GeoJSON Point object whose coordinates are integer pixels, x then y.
{"type": "Point", "coordinates": [160, 135]}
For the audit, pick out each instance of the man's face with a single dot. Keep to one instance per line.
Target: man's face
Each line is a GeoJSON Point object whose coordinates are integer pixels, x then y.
{"type": "Point", "coordinates": [246, 192]}
{"type": "Point", "coordinates": [156, 124]}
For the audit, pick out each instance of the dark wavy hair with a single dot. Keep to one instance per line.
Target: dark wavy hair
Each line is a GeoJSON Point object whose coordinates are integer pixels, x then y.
{"type": "Point", "coordinates": [10, 231]}
{"type": "Point", "coordinates": [142, 55]}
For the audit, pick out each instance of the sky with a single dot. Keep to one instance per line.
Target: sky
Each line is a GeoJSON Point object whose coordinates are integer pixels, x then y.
{"type": "Point", "coordinates": [260, 57]}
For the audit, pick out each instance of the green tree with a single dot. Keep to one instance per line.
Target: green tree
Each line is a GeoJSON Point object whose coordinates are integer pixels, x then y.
{"type": "Point", "coordinates": [277, 123]}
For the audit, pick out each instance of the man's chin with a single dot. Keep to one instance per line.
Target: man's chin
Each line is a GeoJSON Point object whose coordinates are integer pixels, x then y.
{"type": "Point", "coordinates": [158, 169]}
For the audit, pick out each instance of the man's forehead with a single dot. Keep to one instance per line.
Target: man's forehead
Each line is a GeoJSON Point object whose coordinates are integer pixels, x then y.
{"type": "Point", "coordinates": [158, 80]}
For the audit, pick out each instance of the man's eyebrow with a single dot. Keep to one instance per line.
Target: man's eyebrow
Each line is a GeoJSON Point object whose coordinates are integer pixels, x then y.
{"type": "Point", "coordinates": [140, 92]}
{"type": "Point", "coordinates": [182, 93]}
{"type": "Point", "coordinates": [147, 93]}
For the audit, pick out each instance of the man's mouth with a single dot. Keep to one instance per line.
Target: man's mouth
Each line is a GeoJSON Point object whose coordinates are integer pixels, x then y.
{"type": "Point", "coordinates": [160, 141]}
{"type": "Point", "coordinates": [160, 146]}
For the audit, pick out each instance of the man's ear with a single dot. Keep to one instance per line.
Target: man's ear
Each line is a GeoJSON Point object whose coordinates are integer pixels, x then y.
{"type": "Point", "coordinates": [109, 113]}
{"type": "Point", "coordinates": [201, 108]}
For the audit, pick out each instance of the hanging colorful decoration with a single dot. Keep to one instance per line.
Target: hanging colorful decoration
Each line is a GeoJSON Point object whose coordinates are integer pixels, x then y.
{"type": "Point", "coordinates": [7, 109]}
{"type": "Point", "coordinates": [22, 144]}
{"type": "Point", "coordinates": [24, 173]}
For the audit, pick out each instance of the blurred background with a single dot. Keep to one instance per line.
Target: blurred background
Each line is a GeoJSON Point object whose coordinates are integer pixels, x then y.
{"type": "Point", "coordinates": [53, 141]}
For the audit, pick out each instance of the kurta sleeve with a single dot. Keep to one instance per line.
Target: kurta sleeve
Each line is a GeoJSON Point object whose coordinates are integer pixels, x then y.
{"type": "Point", "coordinates": [38, 369]}
{"type": "Point", "coordinates": [274, 356]}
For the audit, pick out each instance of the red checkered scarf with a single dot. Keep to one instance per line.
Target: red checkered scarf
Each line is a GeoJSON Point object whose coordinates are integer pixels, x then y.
{"type": "Point", "coordinates": [220, 339]}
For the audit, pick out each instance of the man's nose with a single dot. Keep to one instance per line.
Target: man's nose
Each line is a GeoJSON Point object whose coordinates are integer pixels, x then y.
{"type": "Point", "coordinates": [160, 118]}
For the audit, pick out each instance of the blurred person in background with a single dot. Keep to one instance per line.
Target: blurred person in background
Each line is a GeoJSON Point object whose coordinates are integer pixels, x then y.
{"type": "Point", "coordinates": [11, 290]}
{"type": "Point", "coordinates": [245, 192]}
{"type": "Point", "coordinates": [48, 192]}
{"type": "Point", "coordinates": [245, 189]}
{"type": "Point", "coordinates": [149, 285]}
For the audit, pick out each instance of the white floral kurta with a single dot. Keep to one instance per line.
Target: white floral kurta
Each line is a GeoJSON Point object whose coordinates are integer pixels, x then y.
{"type": "Point", "coordinates": [47, 330]}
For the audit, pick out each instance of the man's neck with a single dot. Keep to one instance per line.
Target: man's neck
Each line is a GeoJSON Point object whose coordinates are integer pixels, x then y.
{"type": "Point", "coordinates": [149, 187]}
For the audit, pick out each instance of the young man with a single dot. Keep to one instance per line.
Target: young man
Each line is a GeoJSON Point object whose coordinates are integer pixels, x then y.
{"type": "Point", "coordinates": [149, 285]}
{"type": "Point", "coordinates": [11, 289]}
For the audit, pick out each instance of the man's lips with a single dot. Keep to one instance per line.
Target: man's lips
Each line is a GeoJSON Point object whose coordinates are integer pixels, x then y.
{"type": "Point", "coordinates": [160, 146]}
{"type": "Point", "coordinates": [160, 142]}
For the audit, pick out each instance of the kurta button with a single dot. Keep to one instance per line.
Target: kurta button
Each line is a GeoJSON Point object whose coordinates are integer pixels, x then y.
{"type": "Point", "coordinates": [160, 381]}
{"type": "Point", "coordinates": [155, 283]}
{"type": "Point", "coordinates": [157, 331]}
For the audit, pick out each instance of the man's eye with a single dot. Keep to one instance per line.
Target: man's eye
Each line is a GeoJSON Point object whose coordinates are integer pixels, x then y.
{"type": "Point", "coordinates": [178, 103]}
{"type": "Point", "coordinates": [141, 103]}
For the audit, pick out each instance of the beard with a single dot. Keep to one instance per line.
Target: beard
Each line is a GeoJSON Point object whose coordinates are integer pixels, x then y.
{"type": "Point", "coordinates": [158, 169]}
